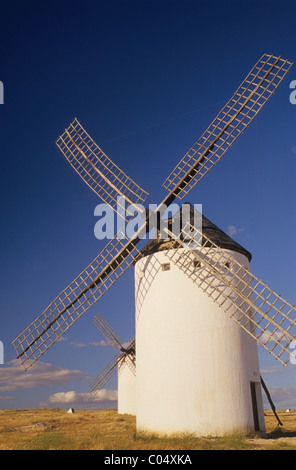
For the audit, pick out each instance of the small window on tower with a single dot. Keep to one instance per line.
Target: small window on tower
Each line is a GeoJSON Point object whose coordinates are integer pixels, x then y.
{"type": "Point", "coordinates": [166, 267]}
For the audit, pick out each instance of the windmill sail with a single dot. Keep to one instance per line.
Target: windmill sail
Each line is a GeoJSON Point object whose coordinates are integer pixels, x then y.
{"type": "Point", "coordinates": [103, 377]}
{"type": "Point", "coordinates": [232, 120]}
{"type": "Point", "coordinates": [130, 355]}
{"type": "Point", "coordinates": [116, 341]}
{"type": "Point", "coordinates": [106, 329]}
{"type": "Point", "coordinates": [97, 170]}
{"type": "Point", "coordinates": [106, 374]}
{"type": "Point", "coordinates": [74, 301]}
{"type": "Point", "coordinates": [108, 181]}
{"type": "Point", "coordinates": [262, 313]}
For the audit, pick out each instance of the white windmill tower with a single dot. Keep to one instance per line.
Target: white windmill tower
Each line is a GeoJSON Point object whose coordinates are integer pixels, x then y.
{"type": "Point", "coordinates": [199, 357]}
{"type": "Point", "coordinates": [220, 275]}
{"type": "Point", "coordinates": [124, 363]}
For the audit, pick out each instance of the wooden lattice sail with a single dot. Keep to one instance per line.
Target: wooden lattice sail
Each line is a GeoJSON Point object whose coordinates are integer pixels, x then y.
{"type": "Point", "coordinates": [97, 170]}
{"type": "Point", "coordinates": [237, 114]}
{"type": "Point", "coordinates": [75, 300]}
{"type": "Point", "coordinates": [109, 183]}
{"type": "Point", "coordinates": [260, 311]}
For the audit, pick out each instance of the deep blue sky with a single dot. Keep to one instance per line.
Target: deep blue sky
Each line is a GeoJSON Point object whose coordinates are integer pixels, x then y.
{"type": "Point", "coordinates": [145, 78]}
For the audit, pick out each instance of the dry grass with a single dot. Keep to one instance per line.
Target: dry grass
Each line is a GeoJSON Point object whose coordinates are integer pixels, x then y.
{"type": "Point", "coordinates": [55, 429]}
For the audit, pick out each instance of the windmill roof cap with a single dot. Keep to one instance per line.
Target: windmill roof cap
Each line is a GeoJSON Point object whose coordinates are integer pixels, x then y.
{"type": "Point", "coordinates": [209, 229]}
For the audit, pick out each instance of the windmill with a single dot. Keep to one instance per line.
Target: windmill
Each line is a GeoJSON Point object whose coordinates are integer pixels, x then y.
{"type": "Point", "coordinates": [244, 297]}
{"type": "Point", "coordinates": [123, 363]}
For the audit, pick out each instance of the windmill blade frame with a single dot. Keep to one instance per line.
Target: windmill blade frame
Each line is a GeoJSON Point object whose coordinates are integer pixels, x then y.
{"type": "Point", "coordinates": [115, 340]}
{"type": "Point", "coordinates": [108, 331]}
{"type": "Point", "coordinates": [259, 310]}
{"type": "Point", "coordinates": [130, 355]}
{"type": "Point", "coordinates": [74, 300]}
{"type": "Point", "coordinates": [228, 125]}
{"type": "Point", "coordinates": [106, 374]}
{"type": "Point", "coordinates": [97, 170]}
{"type": "Point", "coordinates": [112, 367]}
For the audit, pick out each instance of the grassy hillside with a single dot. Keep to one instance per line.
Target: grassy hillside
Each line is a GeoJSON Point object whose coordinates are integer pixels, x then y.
{"type": "Point", "coordinates": [47, 429]}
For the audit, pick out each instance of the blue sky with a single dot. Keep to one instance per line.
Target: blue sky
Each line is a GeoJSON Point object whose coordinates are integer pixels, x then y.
{"type": "Point", "coordinates": [145, 78]}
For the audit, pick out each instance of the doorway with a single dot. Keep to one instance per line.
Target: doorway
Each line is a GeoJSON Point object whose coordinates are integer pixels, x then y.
{"type": "Point", "coordinates": [255, 406]}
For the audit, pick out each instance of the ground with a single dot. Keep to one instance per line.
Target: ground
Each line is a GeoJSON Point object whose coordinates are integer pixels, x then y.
{"type": "Point", "coordinates": [55, 429]}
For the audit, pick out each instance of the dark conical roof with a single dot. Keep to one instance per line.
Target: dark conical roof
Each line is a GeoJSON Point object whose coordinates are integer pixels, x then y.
{"type": "Point", "coordinates": [209, 229]}
{"type": "Point", "coordinates": [221, 238]}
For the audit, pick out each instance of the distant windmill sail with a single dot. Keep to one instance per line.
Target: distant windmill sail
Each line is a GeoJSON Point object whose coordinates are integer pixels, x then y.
{"type": "Point", "coordinates": [127, 354]}
{"type": "Point", "coordinates": [106, 329]}
{"type": "Point", "coordinates": [111, 368]}
{"type": "Point", "coordinates": [106, 374]}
